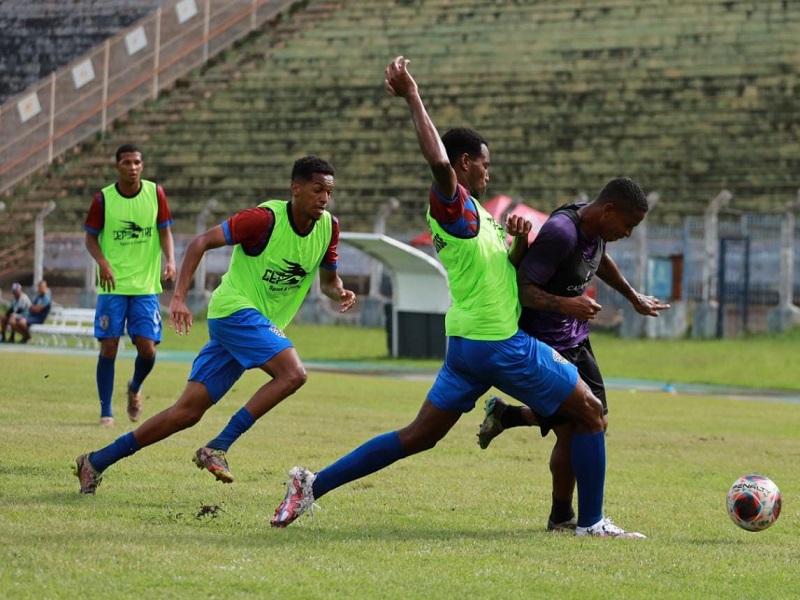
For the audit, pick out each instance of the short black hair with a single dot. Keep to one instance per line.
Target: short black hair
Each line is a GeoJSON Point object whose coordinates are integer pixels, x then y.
{"type": "Point", "coordinates": [461, 141]}
{"type": "Point", "coordinates": [125, 148]}
{"type": "Point", "coordinates": [305, 167]}
{"type": "Point", "coordinates": [624, 193]}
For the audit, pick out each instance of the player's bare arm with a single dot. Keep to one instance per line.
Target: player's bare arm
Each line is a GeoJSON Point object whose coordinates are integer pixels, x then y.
{"type": "Point", "coordinates": [168, 248]}
{"type": "Point", "coordinates": [107, 281]}
{"type": "Point", "coordinates": [400, 83]}
{"type": "Point", "coordinates": [533, 296]}
{"type": "Point", "coordinates": [180, 317]}
{"type": "Point", "coordinates": [332, 286]}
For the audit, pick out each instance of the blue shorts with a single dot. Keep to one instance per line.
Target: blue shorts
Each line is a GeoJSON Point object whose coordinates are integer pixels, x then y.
{"type": "Point", "coordinates": [244, 340]}
{"type": "Point", "coordinates": [36, 318]}
{"type": "Point", "coordinates": [521, 366]}
{"type": "Point", "coordinates": [141, 314]}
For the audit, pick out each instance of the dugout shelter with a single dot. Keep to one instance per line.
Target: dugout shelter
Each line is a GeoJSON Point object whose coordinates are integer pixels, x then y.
{"type": "Point", "coordinates": [420, 295]}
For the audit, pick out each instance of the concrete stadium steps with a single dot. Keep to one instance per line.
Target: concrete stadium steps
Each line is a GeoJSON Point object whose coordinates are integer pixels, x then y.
{"type": "Point", "coordinates": [686, 96]}
{"type": "Point", "coordinates": [41, 36]}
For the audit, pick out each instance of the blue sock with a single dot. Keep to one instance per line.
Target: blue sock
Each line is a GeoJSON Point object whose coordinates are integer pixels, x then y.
{"type": "Point", "coordinates": [374, 455]}
{"type": "Point", "coordinates": [589, 464]}
{"type": "Point", "coordinates": [105, 384]}
{"type": "Point", "coordinates": [239, 423]}
{"type": "Point", "coordinates": [123, 446]}
{"type": "Point", "coordinates": [141, 369]}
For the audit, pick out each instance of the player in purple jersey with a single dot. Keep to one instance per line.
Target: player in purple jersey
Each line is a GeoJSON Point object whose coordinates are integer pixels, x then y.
{"type": "Point", "coordinates": [569, 250]}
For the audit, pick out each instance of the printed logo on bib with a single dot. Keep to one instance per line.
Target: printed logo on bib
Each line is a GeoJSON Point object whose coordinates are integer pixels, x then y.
{"type": "Point", "coordinates": [438, 243]}
{"type": "Point", "coordinates": [285, 279]}
{"type": "Point", "coordinates": [132, 231]}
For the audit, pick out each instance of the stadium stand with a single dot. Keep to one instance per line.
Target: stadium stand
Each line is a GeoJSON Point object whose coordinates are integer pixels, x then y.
{"type": "Point", "coordinates": [39, 37]}
{"type": "Point", "coordinates": [686, 96]}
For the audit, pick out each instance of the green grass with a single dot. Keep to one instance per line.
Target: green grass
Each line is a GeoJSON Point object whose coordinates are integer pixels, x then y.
{"type": "Point", "coordinates": [455, 522]}
{"type": "Point", "coordinates": [754, 362]}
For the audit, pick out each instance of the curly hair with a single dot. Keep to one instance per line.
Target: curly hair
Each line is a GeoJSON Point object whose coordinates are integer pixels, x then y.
{"type": "Point", "coordinates": [624, 193]}
{"type": "Point", "coordinates": [461, 141]}
{"type": "Point", "coordinates": [305, 167]}
{"type": "Point", "coordinates": [125, 148]}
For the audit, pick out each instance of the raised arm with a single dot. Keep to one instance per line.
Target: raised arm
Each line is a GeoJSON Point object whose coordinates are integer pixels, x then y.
{"type": "Point", "coordinates": [400, 83]}
{"type": "Point", "coordinates": [519, 228]}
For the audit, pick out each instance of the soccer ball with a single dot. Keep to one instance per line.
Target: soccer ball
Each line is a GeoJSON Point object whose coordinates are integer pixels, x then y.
{"type": "Point", "coordinates": [754, 502]}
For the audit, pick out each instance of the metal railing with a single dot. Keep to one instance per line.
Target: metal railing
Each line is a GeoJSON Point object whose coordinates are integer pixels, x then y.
{"type": "Point", "coordinates": [130, 68]}
{"type": "Point", "coordinates": [16, 257]}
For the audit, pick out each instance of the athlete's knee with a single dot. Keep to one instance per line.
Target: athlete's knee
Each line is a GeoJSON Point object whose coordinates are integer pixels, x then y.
{"type": "Point", "coordinates": [589, 411]}
{"type": "Point", "coordinates": [147, 352]}
{"type": "Point", "coordinates": [417, 444]}
{"type": "Point", "coordinates": [190, 407]}
{"type": "Point", "coordinates": [592, 419]}
{"type": "Point", "coordinates": [109, 347]}
{"type": "Point", "coordinates": [415, 438]}
{"type": "Point", "coordinates": [293, 379]}
{"type": "Point", "coordinates": [185, 415]}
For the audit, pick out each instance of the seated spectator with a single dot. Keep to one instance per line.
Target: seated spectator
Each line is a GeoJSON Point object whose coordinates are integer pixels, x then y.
{"type": "Point", "coordinates": [19, 305]}
{"type": "Point", "coordinates": [36, 313]}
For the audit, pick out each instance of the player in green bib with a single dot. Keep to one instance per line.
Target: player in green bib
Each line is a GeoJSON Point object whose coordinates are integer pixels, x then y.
{"type": "Point", "coordinates": [278, 249]}
{"type": "Point", "coordinates": [127, 229]}
{"type": "Point", "coordinates": [485, 346]}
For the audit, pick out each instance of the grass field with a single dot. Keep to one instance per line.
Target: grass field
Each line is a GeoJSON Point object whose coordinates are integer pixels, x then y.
{"type": "Point", "coordinates": [456, 522]}
{"type": "Point", "coordinates": [753, 362]}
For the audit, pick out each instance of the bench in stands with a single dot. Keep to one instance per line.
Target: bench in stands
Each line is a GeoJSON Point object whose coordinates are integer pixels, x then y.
{"type": "Point", "coordinates": [64, 324]}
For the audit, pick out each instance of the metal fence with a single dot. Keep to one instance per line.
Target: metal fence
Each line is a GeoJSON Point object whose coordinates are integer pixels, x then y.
{"type": "Point", "coordinates": [82, 98]}
{"type": "Point", "coordinates": [748, 277]}
{"type": "Point", "coordinates": [745, 280]}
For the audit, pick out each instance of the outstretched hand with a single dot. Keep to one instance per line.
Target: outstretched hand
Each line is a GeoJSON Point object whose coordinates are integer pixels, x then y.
{"type": "Point", "coordinates": [648, 306]}
{"type": "Point", "coordinates": [398, 80]}
{"type": "Point", "coordinates": [180, 317]}
{"type": "Point", "coordinates": [347, 300]}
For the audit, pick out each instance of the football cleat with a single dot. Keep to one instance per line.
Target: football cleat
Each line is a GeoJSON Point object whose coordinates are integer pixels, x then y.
{"type": "Point", "coordinates": [134, 404]}
{"type": "Point", "coordinates": [86, 474]}
{"type": "Point", "coordinates": [214, 462]}
{"type": "Point", "coordinates": [568, 525]}
{"type": "Point", "coordinates": [299, 497]}
{"type": "Point", "coordinates": [605, 528]}
{"type": "Point", "coordinates": [491, 426]}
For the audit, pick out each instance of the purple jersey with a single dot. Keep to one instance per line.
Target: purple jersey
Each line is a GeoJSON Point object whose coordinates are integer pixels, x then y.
{"type": "Point", "coordinates": [563, 262]}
